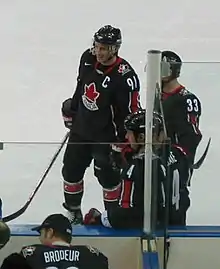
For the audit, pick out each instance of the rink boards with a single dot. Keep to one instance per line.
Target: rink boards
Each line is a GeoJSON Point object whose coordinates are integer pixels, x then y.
{"type": "Point", "coordinates": [193, 247]}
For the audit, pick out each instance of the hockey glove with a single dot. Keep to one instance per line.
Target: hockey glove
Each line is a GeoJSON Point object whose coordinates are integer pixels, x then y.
{"type": "Point", "coordinates": [67, 113]}
{"type": "Point", "coordinates": [93, 217]}
{"type": "Point", "coordinates": [120, 154]}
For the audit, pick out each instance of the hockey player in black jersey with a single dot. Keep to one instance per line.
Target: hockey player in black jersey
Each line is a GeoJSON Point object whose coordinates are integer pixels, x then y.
{"type": "Point", "coordinates": [107, 91]}
{"type": "Point", "coordinates": [56, 251]}
{"type": "Point", "coordinates": [130, 210]}
{"type": "Point", "coordinates": [181, 108]}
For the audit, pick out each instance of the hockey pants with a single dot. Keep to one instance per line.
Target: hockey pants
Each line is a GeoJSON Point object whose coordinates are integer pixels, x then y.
{"type": "Point", "coordinates": [77, 158]}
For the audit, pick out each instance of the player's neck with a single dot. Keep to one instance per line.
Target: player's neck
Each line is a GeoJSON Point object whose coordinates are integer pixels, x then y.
{"type": "Point", "coordinates": [59, 242]}
{"type": "Point", "coordinates": [111, 61]}
{"type": "Point", "coordinates": [171, 86]}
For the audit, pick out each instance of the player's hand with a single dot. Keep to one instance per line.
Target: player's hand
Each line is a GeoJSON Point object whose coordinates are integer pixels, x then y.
{"type": "Point", "coordinates": [120, 153]}
{"type": "Point", "coordinates": [93, 217]}
{"type": "Point", "coordinates": [67, 113]}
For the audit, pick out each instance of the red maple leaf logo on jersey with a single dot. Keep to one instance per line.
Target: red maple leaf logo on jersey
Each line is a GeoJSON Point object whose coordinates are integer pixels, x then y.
{"type": "Point", "coordinates": [91, 92]}
{"type": "Point", "coordinates": [90, 96]}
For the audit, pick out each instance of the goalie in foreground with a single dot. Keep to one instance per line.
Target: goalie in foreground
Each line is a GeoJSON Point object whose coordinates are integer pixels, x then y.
{"type": "Point", "coordinates": [130, 210]}
{"type": "Point", "coordinates": [56, 250]}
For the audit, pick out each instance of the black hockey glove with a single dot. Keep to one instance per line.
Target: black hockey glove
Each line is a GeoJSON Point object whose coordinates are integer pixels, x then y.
{"type": "Point", "coordinates": [120, 155]}
{"type": "Point", "coordinates": [67, 113]}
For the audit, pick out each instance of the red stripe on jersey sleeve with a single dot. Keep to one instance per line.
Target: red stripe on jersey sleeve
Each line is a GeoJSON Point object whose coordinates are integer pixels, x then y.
{"type": "Point", "coordinates": [135, 101]}
{"type": "Point", "coordinates": [126, 194]}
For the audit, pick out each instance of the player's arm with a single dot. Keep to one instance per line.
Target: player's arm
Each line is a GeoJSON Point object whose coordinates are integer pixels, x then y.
{"type": "Point", "coordinates": [15, 260]}
{"type": "Point", "coordinates": [18, 260]}
{"type": "Point", "coordinates": [70, 105]}
{"type": "Point", "coordinates": [28, 251]}
{"type": "Point", "coordinates": [99, 260]}
{"type": "Point", "coordinates": [126, 101]}
{"type": "Point", "coordinates": [190, 134]}
{"type": "Point", "coordinates": [91, 257]}
{"type": "Point", "coordinates": [178, 192]}
{"type": "Point", "coordinates": [23, 252]}
{"type": "Point", "coordinates": [77, 94]}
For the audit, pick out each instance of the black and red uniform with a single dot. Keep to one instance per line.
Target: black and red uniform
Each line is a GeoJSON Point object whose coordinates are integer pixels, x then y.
{"type": "Point", "coordinates": [130, 210]}
{"type": "Point", "coordinates": [104, 96]}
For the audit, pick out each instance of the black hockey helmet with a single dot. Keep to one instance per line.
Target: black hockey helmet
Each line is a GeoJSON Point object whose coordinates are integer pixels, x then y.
{"type": "Point", "coordinates": [171, 64]}
{"type": "Point", "coordinates": [108, 35]}
{"type": "Point", "coordinates": [136, 121]}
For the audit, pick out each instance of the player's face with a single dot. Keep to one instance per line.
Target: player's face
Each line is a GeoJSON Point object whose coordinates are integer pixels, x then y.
{"type": "Point", "coordinates": [132, 140]}
{"type": "Point", "coordinates": [102, 52]}
{"type": "Point", "coordinates": [158, 139]}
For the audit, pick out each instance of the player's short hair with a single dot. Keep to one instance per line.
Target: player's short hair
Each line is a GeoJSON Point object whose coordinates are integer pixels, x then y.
{"type": "Point", "coordinates": [65, 237]}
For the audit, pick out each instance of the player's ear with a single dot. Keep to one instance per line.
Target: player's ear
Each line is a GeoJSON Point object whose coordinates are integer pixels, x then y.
{"type": "Point", "coordinates": [49, 233]}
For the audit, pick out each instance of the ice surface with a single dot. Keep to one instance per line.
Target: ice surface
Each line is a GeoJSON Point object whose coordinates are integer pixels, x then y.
{"type": "Point", "coordinates": [41, 42]}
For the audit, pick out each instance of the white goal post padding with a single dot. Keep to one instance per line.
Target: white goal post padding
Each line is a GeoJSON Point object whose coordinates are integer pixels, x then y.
{"type": "Point", "coordinates": [153, 78]}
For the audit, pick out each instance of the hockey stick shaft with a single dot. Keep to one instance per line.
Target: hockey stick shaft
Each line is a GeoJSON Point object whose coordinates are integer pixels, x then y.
{"type": "Point", "coordinates": [166, 154]}
{"type": "Point", "coordinates": [158, 98]}
{"type": "Point", "coordinates": [26, 205]}
{"type": "Point", "coordinates": [202, 158]}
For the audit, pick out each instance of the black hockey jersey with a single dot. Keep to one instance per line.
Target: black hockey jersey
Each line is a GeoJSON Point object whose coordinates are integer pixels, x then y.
{"type": "Point", "coordinates": [130, 211]}
{"type": "Point", "coordinates": [104, 96]}
{"type": "Point", "coordinates": [182, 111]}
{"type": "Point", "coordinates": [64, 257]}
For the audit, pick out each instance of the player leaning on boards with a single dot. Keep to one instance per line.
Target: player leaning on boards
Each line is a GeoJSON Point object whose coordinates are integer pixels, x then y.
{"type": "Point", "coordinates": [56, 250]}
{"type": "Point", "coordinates": [130, 210]}
{"type": "Point", "coordinates": [107, 91]}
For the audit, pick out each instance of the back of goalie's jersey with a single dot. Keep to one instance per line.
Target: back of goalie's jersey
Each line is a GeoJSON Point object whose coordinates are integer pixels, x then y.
{"type": "Point", "coordinates": [64, 257]}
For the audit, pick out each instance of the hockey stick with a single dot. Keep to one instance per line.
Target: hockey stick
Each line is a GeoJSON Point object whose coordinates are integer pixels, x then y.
{"type": "Point", "coordinates": [202, 158]}
{"type": "Point", "coordinates": [26, 205]}
{"type": "Point", "coordinates": [166, 153]}
{"type": "Point", "coordinates": [158, 98]}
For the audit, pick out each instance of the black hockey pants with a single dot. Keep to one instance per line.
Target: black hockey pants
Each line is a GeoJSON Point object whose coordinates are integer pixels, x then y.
{"type": "Point", "coordinates": [77, 158]}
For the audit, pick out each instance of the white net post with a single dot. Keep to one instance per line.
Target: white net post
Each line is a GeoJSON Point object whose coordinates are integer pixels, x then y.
{"type": "Point", "coordinates": [153, 72]}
